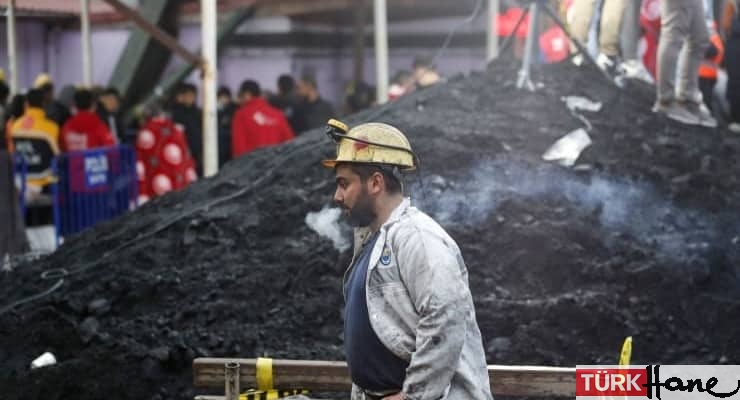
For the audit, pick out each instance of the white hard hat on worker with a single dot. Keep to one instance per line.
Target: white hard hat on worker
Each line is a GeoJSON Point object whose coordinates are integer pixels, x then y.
{"type": "Point", "coordinates": [368, 165]}
{"type": "Point", "coordinates": [371, 143]}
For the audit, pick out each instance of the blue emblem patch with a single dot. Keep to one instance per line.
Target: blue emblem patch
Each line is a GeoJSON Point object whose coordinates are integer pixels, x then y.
{"type": "Point", "coordinates": [385, 257]}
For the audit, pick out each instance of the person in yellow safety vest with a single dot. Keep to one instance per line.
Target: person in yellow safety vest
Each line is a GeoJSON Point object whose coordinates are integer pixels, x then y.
{"type": "Point", "coordinates": [709, 68]}
{"type": "Point", "coordinates": [36, 138]}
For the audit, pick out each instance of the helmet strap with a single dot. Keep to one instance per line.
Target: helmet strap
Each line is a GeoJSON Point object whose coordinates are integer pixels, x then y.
{"type": "Point", "coordinates": [397, 174]}
{"type": "Point", "coordinates": [395, 171]}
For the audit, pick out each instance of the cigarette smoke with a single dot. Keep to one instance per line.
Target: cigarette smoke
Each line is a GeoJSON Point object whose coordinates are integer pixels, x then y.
{"type": "Point", "coordinates": [623, 206]}
{"type": "Point", "coordinates": [326, 224]}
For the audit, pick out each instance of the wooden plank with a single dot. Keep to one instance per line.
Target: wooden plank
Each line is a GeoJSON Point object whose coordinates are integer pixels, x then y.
{"type": "Point", "coordinates": [509, 380]}
{"type": "Point", "coordinates": [327, 376]}
{"type": "Point", "coordinates": [333, 376]}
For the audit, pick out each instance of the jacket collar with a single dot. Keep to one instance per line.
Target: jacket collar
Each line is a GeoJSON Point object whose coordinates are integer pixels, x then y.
{"type": "Point", "coordinates": [34, 112]}
{"type": "Point", "coordinates": [397, 213]}
{"type": "Point", "coordinates": [86, 114]}
{"type": "Point", "coordinates": [255, 101]}
{"type": "Point", "coordinates": [364, 233]}
{"type": "Point", "coordinates": [383, 234]}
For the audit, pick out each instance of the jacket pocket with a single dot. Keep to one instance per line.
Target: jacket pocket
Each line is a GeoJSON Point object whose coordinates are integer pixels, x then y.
{"type": "Point", "coordinates": [393, 317]}
{"type": "Point", "coordinates": [388, 291]}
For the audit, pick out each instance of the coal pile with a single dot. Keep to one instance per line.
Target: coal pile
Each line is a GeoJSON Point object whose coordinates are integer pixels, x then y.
{"type": "Point", "coordinates": [640, 237]}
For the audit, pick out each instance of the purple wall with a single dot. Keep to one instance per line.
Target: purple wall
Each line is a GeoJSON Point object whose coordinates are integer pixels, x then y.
{"type": "Point", "coordinates": [59, 52]}
{"type": "Point", "coordinates": [107, 45]}
{"type": "Point", "coordinates": [31, 48]}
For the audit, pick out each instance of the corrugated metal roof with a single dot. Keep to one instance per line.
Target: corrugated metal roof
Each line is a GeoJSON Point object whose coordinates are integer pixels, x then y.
{"type": "Point", "coordinates": [57, 7]}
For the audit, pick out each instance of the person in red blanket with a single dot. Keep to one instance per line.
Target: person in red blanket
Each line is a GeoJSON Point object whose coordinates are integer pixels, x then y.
{"type": "Point", "coordinates": [85, 130]}
{"type": "Point", "coordinates": [257, 124]}
{"type": "Point", "coordinates": [164, 162]}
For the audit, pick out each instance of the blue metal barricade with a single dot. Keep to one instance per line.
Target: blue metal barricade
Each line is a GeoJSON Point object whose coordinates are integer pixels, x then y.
{"type": "Point", "coordinates": [19, 172]}
{"type": "Point", "coordinates": [93, 186]}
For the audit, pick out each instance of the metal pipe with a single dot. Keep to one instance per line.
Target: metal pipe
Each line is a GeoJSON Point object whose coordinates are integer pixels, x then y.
{"type": "Point", "coordinates": [209, 21]}
{"type": "Point", "coordinates": [360, 14]}
{"type": "Point", "coordinates": [51, 46]}
{"type": "Point", "coordinates": [491, 31]}
{"type": "Point", "coordinates": [86, 43]}
{"type": "Point", "coordinates": [524, 72]}
{"type": "Point", "coordinates": [12, 49]}
{"type": "Point", "coordinates": [226, 29]}
{"type": "Point", "coordinates": [164, 38]}
{"type": "Point", "coordinates": [232, 377]}
{"type": "Point", "coordinates": [381, 51]}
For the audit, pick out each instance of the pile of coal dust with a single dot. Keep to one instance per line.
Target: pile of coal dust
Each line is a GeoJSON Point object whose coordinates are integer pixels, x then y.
{"type": "Point", "coordinates": [640, 237]}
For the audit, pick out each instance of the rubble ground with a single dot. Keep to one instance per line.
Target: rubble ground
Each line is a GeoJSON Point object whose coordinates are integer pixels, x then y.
{"type": "Point", "coordinates": [641, 237]}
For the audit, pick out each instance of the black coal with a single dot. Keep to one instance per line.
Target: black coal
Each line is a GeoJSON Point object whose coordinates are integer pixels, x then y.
{"type": "Point", "coordinates": [640, 238]}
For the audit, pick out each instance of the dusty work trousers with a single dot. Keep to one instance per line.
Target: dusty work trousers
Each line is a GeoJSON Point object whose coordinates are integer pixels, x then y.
{"type": "Point", "coordinates": [732, 62]}
{"type": "Point", "coordinates": [611, 20]}
{"type": "Point", "coordinates": [12, 231]}
{"type": "Point", "coordinates": [682, 25]}
{"type": "Point", "coordinates": [631, 30]}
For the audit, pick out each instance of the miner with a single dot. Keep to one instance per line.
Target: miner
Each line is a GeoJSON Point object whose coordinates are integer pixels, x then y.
{"type": "Point", "coordinates": [410, 330]}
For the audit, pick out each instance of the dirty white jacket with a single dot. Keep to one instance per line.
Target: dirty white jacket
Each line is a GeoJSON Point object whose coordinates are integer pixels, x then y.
{"type": "Point", "coordinates": [421, 309]}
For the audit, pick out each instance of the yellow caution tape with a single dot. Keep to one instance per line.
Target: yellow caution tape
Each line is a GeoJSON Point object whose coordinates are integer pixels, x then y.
{"type": "Point", "coordinates": [270, 394]}
{"type": "Point", "coordinates": [626, 355]}
{"type": "Point", "coordinates": [264, 374]}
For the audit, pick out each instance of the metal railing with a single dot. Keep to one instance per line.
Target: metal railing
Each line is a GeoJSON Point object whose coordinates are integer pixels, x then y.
{"type": "Point", "coordinates": [93, 186]}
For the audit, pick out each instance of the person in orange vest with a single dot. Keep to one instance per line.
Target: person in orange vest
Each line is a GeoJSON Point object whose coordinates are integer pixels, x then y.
{"type": "Point", "coordinates": [709, 68]}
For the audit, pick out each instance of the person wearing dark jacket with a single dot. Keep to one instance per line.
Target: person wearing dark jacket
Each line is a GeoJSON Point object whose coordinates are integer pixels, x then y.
{"type": "Point", "coordinates": [109, 110]}
{"type": "Point", "coordinates": [15, 110]}
{"type": "Point", "coordinates": [288, 101]}
{"type": "Point", "coordinates": [55, 110]}
{"type": "Point", "coordinates": [4, 93]}
{"type": "Point", "coordinates": [12, 230]}
{"type": "Point", "coordinates": [185, 112]}
{"type": "Point", "coordinates": [226, 109]}
{"type": "Point", "coordinates": [314, 111]}
{"type": "Point", "coordinates": [731, 30]}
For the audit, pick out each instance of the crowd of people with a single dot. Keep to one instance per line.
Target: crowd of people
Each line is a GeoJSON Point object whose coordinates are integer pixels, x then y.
{"type": "Point", "coordinates": [39, 126]}
{"type": "Point", "coordinates": [256, 118]}
{"type": "Point", "coordinates": [684, 47]}
{"type": "Point", "coordinates": [168, 134]}
{"type": "Point", "coordinates": [691, 45]}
